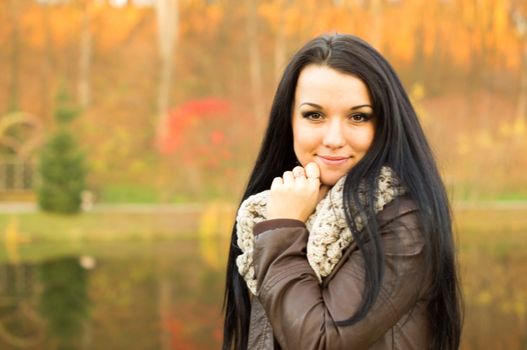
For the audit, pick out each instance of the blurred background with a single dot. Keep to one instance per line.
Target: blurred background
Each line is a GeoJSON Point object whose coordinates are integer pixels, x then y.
{"type": "Point", "coordinates": [128, 129]}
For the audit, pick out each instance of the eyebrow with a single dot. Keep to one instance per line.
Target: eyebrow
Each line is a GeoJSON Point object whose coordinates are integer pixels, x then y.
{"type": "Point", "coordinates": [320, 107]}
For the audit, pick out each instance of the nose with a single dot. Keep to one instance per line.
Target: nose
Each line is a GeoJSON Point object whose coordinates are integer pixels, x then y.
{"type": "Point", "coordinates": [333, 134]}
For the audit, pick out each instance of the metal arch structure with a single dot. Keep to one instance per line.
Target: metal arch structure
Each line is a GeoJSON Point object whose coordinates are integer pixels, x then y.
{"type": "Point", "coordinates": [21, 148]}
{"type": "Point", "coordinates": [17, 175]}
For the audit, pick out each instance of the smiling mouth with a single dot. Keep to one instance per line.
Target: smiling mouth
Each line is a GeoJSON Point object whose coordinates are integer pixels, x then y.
{"type": "Point", "coordinates": [333, 160]}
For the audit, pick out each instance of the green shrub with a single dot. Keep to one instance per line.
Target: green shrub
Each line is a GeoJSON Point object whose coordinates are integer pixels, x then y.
{"type": "Point", "coordinates": [61, 167]}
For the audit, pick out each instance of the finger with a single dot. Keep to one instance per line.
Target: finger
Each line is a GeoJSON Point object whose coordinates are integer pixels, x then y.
{"type": "Point", "coordinates": [277, 181]}
{"type": "Point", "coordinates": [301, 181]}
{"type": "Point", "coordinates": [312, 170]}
{"type": "Point", "coordinates": [288, 178]}
{"type": "Point", "coordinates": [298, 171]}
{"type": "Point", "coordinates": [314, 182]}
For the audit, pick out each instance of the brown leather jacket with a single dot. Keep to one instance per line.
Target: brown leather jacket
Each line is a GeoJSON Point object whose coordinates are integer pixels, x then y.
{"type": "Point", "coordinates": [293, 311]}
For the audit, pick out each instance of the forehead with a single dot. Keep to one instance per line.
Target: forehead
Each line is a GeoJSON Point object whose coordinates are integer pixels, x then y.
{"type": "Point", "coordinates": [322, 84]}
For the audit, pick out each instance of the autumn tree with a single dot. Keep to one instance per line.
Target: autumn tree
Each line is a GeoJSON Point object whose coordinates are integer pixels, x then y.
{"type": "Point", "coordinates": [519, 19]}
{"type": "Point", "coordinates": [167, 26]}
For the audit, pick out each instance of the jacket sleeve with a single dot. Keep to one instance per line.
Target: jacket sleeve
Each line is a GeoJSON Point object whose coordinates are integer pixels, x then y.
{"type": "Point", "coordinates": [303, 313]}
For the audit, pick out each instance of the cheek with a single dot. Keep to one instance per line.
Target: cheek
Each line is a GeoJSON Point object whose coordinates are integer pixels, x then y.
{"type": "Point", "coordinates": [304, 143]}
{"type": "Point", "coordinates": [362, 141]}
{"type": "Point", "coordinates": [300, 148]}
{"type": "Point", "coordinates": [299, 136]}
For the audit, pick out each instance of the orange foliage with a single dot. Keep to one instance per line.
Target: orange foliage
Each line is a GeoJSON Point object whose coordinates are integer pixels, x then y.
{"type": "Point", "coordinates": [120, 22]}
{"type": "Point", "coordinates": [450, 48]}
{"type": "Point", "coordinates": [206, 23]}
{"type": "Point", "coordinates": [178, 340]}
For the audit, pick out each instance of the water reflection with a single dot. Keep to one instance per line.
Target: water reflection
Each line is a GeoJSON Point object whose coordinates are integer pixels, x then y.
{"type": "Point", "coordinates": [64, 303]}
{"type": "Point", "coordinates": [495, 289]}
{"type": "Point", "coordinates": [21, 325]}
{"type": "Point", "coordinates": [144, 295]}
{"type": "Point", "coordinates": [164, 295]}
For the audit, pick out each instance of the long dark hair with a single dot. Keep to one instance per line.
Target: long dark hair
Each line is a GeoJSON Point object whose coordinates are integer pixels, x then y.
{"type": "Point", "coordinates": [400, 143]}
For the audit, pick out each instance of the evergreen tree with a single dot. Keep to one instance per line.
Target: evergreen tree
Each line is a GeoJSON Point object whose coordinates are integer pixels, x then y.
{"type": "Point", "coordinates": [61, 166]}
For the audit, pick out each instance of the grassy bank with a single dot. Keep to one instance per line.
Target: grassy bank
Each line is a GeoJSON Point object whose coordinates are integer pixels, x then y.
{"type": "Point", "coordinates": [482, 229]}
{"type": "Point", "coordinates": [33, 235]}
{"type": "Point", "coordinates": [94, 227]}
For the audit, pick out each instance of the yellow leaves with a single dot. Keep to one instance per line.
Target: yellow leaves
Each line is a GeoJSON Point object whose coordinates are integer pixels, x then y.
{"type": "Point", "coordinates": [292, 19]}
{"type": "Point", "coordinates": [138, 166]}
{"type": "Point", "coordinates": [501, 19]}
{"type": "Point", "coordinates": [271, 11]}
{"type": "Point", "coordinates": [468, 11]}
{"type": "Point", "coordinates": [215, 14]}
{"type": "Point", "coordinates": [505, 129]}
{"type": "Point", "coordinates": [216, 219]}
{"type": "Point", "coordinates": [484, 298]}
{"type": "Point", "coordinates": [96, 6]}
{"type": "Point", "coordinates": [31, 27]}
{"type": "Point", "coordinates": [12, 240]}
{"type": "Point", "coordinates": [120, 22]}
{"type": "Point", "coordinates": [109, 146]}
{"type": "Point", "coordinates": [461, 54]}
{"type": "Point", "coordinates": [198, 17]}
{"type": "Point", "coordinates": [516, 307]}
{"type": "Point", "coordinates": [64, 22]}
{"type": "Point", "coordinates": [305, 17]}
{"type": "Point", "coordinates": [519, 127]}
{"type": "Point", "coordinates": [399, 25]}
{"type": "Point", "coordinates": [215, 224]}
{"type": "Point", "coordinates": [463, 145]}
{"type": "Point", "coordinates": [484, 140]}
{"type": "Point", "coordinates": [418, 91]}
{"type": "Point", "coordinates": [118, 145]}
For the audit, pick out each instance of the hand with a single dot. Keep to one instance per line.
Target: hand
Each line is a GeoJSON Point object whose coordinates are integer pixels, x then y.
{"type": "Point", "coordinates": [296, 194]}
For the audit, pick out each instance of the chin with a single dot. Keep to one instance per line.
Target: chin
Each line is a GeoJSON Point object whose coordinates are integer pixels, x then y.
{"type": "Point", "coordinates": [330, 180]}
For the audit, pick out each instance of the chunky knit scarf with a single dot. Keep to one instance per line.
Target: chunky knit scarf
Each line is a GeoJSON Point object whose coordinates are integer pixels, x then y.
{"type": "Point", "coordinates": [329, 234]}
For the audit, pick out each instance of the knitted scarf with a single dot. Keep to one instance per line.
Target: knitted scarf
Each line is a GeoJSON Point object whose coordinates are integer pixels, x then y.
{"type": "Point", "coordinates": [329, 234]}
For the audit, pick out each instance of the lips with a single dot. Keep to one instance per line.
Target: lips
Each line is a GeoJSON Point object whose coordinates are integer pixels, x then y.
{"type": "Point", "coordinates": [333, 157]}
{"type": "Point", "coordinates": [333, 160]}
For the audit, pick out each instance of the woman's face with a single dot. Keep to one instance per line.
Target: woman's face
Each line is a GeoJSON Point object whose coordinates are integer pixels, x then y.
{"type": "Point", "coordinates": [333, 122]}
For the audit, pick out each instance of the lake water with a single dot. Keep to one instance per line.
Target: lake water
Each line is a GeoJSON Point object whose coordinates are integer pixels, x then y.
{"type": "Point", "coordinates": [156, 295]}
{"type": "Point", "coordinates": [167, 294]}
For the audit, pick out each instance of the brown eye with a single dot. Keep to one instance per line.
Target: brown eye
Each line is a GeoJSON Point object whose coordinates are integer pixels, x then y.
{"type": "Point", "coordinates": [360, 117]}
{"type": "Point", "coordinates": [312, 115]}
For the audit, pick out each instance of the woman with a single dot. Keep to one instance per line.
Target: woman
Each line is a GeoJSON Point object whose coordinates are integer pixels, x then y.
{"type": "Point", "coordinates": [343, 239]}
